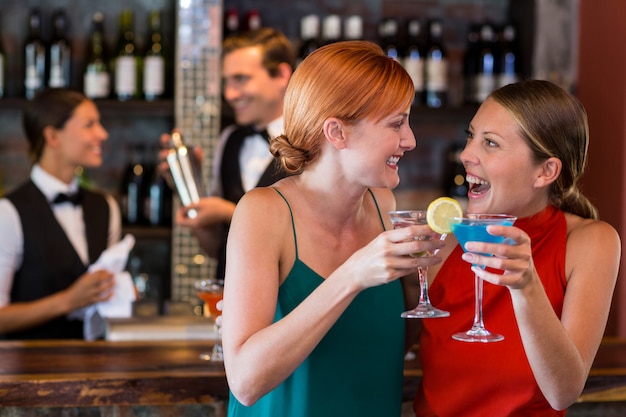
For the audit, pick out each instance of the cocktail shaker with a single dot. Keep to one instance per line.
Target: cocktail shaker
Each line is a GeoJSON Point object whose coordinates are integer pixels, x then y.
{"type": "Point", "coordinates": [185, 171]}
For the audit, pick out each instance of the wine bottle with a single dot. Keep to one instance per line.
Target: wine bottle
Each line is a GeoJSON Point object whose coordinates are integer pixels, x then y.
{"type": "Point", "coordinates": [133, 187]}
{"type": "Point", "coordinates": [413, 60]}
{"type": "Point", "coordinates": [34, 56]}
{"type": "Point", "coordinates": [126, 59]}
{"type": "Point", "coordinates": [60, 52]}
{"type": "Point", "coordinates": [159, 199]}
{"type": "Point", "coordinates": [436, 67]}
{"type": "Point", "coordinates": [154, 61]}
{"type": "Point", "coordinates": [485, 78]}
{"type": "Point", "coordinates": [231, 23]}
{"type": "Point", "coordinates": [253, 20]}
{"type": "Point", "coordinates": [508, 63]}
{"type": "Point", "coordinates": [331, 29]}
{"type": "Point", "coordinates": [388, 38]}
{"type": "Point", "coordinates": [309, 35]}
{"type": "Point", "coordinates": [97, 80]}
{"type": "Point", "coordinates": [470, 64]}
{"type": "Point", "coordinates": [353, 28]}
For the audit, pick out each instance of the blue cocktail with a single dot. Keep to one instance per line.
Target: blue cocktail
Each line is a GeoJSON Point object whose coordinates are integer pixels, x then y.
{"type": "Point", "coordinates": [473, 228]}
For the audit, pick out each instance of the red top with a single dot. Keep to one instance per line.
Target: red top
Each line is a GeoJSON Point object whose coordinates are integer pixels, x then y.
{"type": "Point", "coordinates": [488, 379]}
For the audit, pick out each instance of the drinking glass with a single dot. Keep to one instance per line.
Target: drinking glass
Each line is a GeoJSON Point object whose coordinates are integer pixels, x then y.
{"type": "Point", "coordinates": [211, 291]}
{"type": "Point", "coordinates": [473, 227]}
{"type": "Point", "coordinates": [424, 308]}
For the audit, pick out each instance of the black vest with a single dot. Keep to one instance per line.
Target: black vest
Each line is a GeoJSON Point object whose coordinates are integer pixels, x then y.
{"type": "Point", "coordinates": [232, 186]}
{"type": "Point", "coordinates": [50, 263]}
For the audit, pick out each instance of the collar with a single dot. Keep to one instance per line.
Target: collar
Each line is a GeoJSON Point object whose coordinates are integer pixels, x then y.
{"type": "Point", "coordinates": [50, 185]}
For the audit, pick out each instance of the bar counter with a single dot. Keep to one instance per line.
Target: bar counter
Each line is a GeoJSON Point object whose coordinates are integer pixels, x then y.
{"type": "Point", "coordinates": [166, 374]}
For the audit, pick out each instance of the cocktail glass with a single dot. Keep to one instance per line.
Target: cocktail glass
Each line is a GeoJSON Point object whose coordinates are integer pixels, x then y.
{"type": "Point", "coordinates": [473, 227]}
{"type": "Point", "coordinates": [211, 291]}
{"type": "Point", "coordinates": [424, 308]}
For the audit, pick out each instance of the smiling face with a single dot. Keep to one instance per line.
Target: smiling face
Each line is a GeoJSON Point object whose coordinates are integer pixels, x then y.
{"type": "Point", "coordinates": [502, 175]}
{"type": "Point", "coordinates": [373, 149]}
{"type": "Point", "coordinates": [255, 96]}
{"type": "Point", "coordinates": [79, 141]}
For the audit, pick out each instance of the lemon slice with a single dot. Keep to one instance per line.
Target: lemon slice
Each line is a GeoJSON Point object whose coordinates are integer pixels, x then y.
{"type": "Point", "coordinates": [440, 213]}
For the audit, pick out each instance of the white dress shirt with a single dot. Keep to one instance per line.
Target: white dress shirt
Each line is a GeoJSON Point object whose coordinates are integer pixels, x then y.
{"type": "Point", "coordinates": [254, 157]}
{"type": "Point", "coordinates": [70, 218]}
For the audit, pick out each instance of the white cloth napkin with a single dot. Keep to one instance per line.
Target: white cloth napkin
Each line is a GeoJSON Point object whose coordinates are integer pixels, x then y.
{"type": "Point", "coordinates": [120, 304]}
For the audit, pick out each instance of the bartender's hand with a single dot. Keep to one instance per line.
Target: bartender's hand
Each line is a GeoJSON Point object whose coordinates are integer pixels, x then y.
{"type": "Point", "coordinates": [90, 288]}
{"type": "Point", "coordinates": [209, 211]}
{"type": "Point", "coordinates": [163, 167]}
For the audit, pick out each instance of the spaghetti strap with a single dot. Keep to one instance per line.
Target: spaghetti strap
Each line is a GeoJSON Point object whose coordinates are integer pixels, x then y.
{"type": "Point", "coordinates": [380, 216]}
{"type": "Point", "coordinates": [293, 225]}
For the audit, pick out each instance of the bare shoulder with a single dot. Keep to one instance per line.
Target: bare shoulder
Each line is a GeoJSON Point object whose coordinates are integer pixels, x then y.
{"type": "Point", "coordinates": [579, 228]}
{"type": "Point", "coordinates": [591, 239]}
{"type": "Point", "coordinates": [262, 203]}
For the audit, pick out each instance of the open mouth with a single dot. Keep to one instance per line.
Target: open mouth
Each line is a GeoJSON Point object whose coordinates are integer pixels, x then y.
{"type": "Point", "coordinates": [477, 185]}
{"type": "Point", "coordinates": [393, 161]}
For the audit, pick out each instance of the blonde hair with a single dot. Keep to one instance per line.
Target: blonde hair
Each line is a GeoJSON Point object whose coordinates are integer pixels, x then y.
{"type": "Point", "coordinates": [554, 124]}
{"type": "Point", "coordinates": [352, 81]}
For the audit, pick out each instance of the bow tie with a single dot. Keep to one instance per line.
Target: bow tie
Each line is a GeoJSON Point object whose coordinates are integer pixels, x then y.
{"type": "Point", "coordinates": [75, 198]}
{"type": "Point", "coordinates": [263, 133]}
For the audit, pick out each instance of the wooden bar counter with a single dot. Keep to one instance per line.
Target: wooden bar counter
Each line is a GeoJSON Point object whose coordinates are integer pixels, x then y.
{"type": "Point", "coordinates": [170, 373]}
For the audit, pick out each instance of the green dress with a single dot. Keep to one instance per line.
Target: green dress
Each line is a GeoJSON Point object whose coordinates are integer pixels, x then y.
{"type": "Point", "coordinates": [356, 369]}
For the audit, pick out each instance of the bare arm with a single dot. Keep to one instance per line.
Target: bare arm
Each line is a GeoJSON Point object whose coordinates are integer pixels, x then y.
{"type": "Point", "coordinates": [90, 288]}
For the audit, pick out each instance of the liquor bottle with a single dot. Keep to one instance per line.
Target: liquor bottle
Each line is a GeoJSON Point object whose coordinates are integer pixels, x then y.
{"type": "Point", "coordinates": [436, 67]}
{"type": "Point", "coordinates": [154, 61]}
{"type": "Point", "coordinates": [97, 80]}
{"type": "Point", "coordinates": [470, 63]}
{"type": "Point", "coordinates": [60, 52]}
{"type": "Point", "coordinates": [413, 60]}
{"type": "Point", "coordinates": [388, 38]}
{"type": "Point", "coordinates": [507, 64]}
{"type": "Point", "coordinates": [133, 187]}
{"type": "Point", "coordinates": [485, 78]}
{"type": "Point", "coordinates": [231, 23]}
{"type": "Point", "coordinates": [159, 199]}
{"type": "Point", "coordinates": [353, 28]}
{"type": "Point", "coordinates": [126, 59]}
{"type": "Point", "coordinates": [34, 56]}
{"type": "Point", "coordinates": [331, 29]}
{"type": "Point", "coordinates": [253, 20]}
{"type": "Point", "coordinates": [309, 36]}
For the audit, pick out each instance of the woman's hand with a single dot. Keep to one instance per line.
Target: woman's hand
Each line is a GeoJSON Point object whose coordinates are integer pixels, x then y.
{"type": "Point", "coordinates": [391, 255]}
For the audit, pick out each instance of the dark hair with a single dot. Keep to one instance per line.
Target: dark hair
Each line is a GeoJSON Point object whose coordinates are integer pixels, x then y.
{"type": "Point", "coordinates": [350, 80]}
{"type": "Point", "coordinates": [277, 49]}
{"type": "Point", "coordinates": [50, 107]}
{"type": "Point", "coordinates": [554, 124]}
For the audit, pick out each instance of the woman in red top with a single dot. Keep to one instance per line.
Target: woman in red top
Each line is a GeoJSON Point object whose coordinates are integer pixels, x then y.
{"type": "Point", "coordinates": [551, 291]}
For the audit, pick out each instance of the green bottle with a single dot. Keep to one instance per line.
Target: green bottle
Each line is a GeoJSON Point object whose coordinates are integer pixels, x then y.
{"type": "Point", "coordinates": [126, 59]}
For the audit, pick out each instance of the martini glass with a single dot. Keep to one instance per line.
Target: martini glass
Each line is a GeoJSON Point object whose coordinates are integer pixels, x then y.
{"type": "Point", "coordinates": [211, 291]}
{"type": "Point", "coordinates": [424, 308]}
{"type": "Point", "coordinates": [473, 227]}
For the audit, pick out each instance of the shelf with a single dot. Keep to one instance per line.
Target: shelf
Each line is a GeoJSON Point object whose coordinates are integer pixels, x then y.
{"type": "Point", "coordinates": [111, 107]}
{"type": "Point", "coordinates": [148, 232]}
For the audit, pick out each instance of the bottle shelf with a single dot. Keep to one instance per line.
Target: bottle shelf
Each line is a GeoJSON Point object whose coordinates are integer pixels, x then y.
{"type": "Point", "coordinates": [111, 107]}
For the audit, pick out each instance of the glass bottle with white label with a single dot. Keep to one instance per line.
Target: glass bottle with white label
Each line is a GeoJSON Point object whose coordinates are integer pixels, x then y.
{"type": "Point", "coordinates": [154, 61]}
{"type": "Point", "coordinates": [126, 59]}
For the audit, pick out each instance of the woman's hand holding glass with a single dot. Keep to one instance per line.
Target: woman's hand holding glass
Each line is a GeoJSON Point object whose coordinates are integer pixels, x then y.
{"type": "Point", "coordinates": [389, 256]}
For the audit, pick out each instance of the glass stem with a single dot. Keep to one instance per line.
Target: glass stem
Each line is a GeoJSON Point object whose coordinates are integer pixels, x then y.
{"type": "Point", "coordinates": [478, 312]}
{"type": "Point", "coordinates": [423, 277]}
